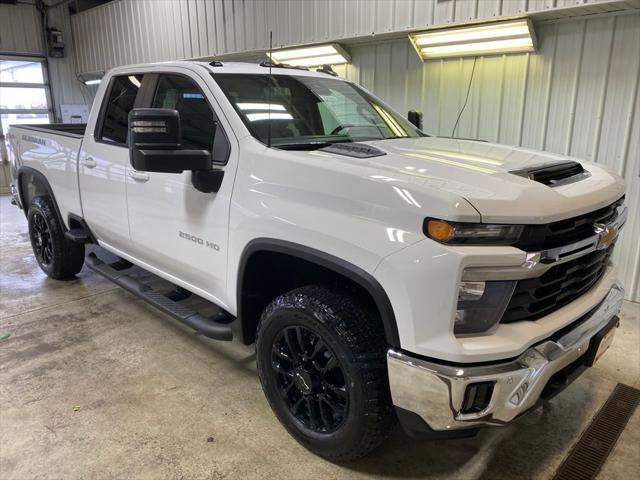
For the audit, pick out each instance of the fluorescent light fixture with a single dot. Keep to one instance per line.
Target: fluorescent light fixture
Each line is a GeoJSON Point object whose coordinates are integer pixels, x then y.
{"type": "Point", "coordinates": [330, 54]}
{"type": "Point", "coordinates": [92, 82]}
{"type": "Point", "coordinates": [511, 36]}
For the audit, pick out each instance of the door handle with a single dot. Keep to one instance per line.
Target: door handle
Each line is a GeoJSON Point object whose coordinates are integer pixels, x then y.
{"type": "Point", "coordinates": [139, 176]}
{"type": "Point", "coordinates": [89, 162]}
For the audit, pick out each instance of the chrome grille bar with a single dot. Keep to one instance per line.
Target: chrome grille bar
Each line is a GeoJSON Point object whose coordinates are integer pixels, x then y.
{"type": "Point", "coordinates": [537, 263]}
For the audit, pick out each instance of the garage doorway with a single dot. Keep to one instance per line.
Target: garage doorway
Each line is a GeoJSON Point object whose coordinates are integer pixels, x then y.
{"type": "Point", "coordinates": [24, 99]}
{"type": "Point", "coordinates": [24, 92]}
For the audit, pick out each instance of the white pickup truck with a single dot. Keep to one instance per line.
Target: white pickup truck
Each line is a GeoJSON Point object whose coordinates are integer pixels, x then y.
{"type": "Point", "coordinates": [382, 273]}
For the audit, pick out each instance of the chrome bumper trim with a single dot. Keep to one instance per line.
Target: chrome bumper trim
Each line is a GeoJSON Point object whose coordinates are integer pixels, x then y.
{"type": "Point", "coordinates": [436, 392]}
{"type": "Point", "coordinates": [15, 194]}
{"type": "Point", "coordinates": [536, 263]}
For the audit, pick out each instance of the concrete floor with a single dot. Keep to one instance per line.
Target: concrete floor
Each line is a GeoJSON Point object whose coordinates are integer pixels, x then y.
{"type": "Point", "coordinates": [96, 384]}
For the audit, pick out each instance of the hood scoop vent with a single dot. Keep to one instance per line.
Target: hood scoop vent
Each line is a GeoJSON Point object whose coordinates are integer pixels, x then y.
{"type": "Point", "coordinates": [357, 150]}
{"type": "Point", "coordinates": [554, 174]}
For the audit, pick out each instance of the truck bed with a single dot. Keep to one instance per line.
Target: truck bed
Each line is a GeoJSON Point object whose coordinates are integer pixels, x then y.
{"type": "Point", "coordinates": [68, 129]}
{"type": "Point", "coordinates": [50, 150]}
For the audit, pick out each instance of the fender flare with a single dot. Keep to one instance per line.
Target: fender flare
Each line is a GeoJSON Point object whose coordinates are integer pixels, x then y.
{"type": "Point", "coordinates": [43, 180]}
{"type": "Point", "coordinates": [330, 262]}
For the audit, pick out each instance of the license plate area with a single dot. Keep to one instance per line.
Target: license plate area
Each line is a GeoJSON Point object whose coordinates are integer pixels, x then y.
{"type": "Point", "coordinates": [601, 342]}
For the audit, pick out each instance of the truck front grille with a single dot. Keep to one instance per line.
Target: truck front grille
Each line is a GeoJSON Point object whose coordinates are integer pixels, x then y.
{"type": "Point", "coordinates": [564, 232]}
{"type": "Point", "coordinates": [560, 285]}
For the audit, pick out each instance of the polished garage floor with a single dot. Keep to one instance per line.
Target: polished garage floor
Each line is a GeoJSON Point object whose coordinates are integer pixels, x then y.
{"type": "Point", "coordinates": [96, 384]}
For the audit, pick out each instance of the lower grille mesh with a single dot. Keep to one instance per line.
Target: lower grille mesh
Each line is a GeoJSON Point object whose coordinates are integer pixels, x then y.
{"type": "Point", "coordinates": [536, 297]}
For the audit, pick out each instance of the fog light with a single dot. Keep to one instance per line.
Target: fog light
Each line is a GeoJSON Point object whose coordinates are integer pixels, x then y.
{"type": "Point", "coordinates": [470, 291]}
{"type": "Point", "coordinates": [481, 306]}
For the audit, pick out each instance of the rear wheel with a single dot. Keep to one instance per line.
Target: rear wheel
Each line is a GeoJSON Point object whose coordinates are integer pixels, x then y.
{"type": "Point", "coordinates": [322, 362]}
{"type": "Point", "coordinates": [56, 255]}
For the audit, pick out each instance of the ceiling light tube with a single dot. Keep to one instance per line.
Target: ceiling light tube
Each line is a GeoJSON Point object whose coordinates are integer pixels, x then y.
{"type": "Point", "coordinates": [260, 106]}
{"type": "Point", "coordinates": [330, 54]}
{"type": "Point", "coordinates": [513, 36]}
{"type": "Point", "coordinates": [255, 117]}
{"type": "Point", "coordinates": [135, 81]}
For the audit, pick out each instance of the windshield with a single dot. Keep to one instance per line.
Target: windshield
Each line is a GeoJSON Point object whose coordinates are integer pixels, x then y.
{"type": "Point", "coordinates": [303, 112]}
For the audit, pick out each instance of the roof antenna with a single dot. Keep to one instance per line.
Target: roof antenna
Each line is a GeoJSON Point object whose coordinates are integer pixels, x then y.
{"type": "Point", "coordinates": [270, 87]}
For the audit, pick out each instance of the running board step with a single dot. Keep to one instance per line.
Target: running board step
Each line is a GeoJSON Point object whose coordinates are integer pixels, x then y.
{"type": "Point", "coordinates": [78, 235]}
{"type": "Point", "coordinates": [189, 317]}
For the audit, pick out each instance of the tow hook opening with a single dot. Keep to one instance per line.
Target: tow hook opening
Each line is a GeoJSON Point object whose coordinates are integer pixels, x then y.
{"type": "Point", "coordinates": [477, 397]}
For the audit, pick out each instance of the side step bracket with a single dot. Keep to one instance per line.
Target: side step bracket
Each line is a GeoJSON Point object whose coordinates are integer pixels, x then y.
{"type": "Point", "coordinates": [189, 317]}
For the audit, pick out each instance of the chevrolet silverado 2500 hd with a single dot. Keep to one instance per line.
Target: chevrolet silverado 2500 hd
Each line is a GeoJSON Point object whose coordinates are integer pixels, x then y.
{"type": "Point", "coordinates": [381, 272]}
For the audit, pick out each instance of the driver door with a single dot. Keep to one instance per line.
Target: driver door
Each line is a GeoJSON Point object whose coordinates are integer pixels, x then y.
{"type": "Point", "coordinates": [178, 231]}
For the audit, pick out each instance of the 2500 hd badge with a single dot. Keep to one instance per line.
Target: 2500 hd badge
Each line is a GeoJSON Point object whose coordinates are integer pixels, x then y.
{"type": "Point", "coordinates": [199, 241]}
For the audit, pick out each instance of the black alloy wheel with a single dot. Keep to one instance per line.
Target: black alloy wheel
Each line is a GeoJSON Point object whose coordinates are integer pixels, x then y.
{"type": "Point", "coordinates": [57, 256]}
{"type": "Point", "coordinates": [310, 379]}
{"type": "Point", "coordinates": [41, 239]}
{"type": "Point", "coordinates": [321, 357]}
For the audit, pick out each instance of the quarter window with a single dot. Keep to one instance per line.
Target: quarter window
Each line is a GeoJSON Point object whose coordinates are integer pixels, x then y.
{"type": "Point", "coordinates": [122, 99]}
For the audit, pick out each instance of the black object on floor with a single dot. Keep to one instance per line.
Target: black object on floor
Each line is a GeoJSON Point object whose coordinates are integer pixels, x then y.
{"type": "Point", "coordinates": [596, 443]}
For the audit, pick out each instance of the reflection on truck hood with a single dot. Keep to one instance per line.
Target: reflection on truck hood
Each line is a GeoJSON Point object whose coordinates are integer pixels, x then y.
{"type": "Point", "coordinates": [479, 172]}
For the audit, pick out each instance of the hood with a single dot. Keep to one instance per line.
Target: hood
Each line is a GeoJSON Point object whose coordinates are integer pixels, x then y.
{"type": "Point", "coordinates": [479, 172]}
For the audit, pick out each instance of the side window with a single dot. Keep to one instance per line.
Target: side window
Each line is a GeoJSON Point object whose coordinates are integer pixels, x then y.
{"type": "Point", "coordinates": [197, 118]}
{"type": "Point", "coordinates": [122, 98]}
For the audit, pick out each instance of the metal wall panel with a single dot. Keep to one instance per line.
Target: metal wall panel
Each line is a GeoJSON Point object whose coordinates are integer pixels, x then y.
{"type": "Point", "coordinates": [578, 95]}
{"type": "Point", "coordinates": [130, 31]}
{"type": "Point", "coordinates": [66, 88]}
{"type": "Point", "coordinates": [20, 32]}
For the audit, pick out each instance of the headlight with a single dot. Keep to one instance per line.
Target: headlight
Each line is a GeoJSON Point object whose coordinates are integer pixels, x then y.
{"type": "Point", "coordinates": [457, 233]}
{"type": "Point", "coordinates": [481, 305]}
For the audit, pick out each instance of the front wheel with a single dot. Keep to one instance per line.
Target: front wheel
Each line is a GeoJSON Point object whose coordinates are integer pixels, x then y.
{"type": "Point", "coordinates": [322, 363]}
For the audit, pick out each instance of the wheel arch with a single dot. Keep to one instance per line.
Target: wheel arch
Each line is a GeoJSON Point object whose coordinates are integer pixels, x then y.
{"type": "Point", "coordinates": [31, 183]}
{"type": "Point", "coordinates": [251, 302]}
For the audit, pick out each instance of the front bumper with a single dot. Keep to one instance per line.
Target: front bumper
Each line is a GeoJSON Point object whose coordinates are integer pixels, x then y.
{"type": "Point", "coordinates": [15, 194]}
{"type": "Point", "coordinates": [436, 392]}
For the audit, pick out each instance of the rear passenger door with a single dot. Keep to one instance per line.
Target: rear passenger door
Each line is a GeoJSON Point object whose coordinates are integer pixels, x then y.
{"type": "Point", "coordinates": [175, 229]}
{"type": "Point", "coordinates": [103, 162]}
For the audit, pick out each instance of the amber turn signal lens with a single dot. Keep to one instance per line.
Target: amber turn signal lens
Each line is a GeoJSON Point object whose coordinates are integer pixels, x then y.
{"type": "Point", "coordinates": [439, 230]}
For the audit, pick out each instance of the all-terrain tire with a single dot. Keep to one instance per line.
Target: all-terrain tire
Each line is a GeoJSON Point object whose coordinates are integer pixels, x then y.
{"type": "Point", "coordinates": [353, 412]}
{"type": "Point", "coordinates": [57, 256]}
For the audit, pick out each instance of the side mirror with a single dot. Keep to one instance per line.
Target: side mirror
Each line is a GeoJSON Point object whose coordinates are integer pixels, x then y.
{"type": "Point", "coordinates": [415, 118]}
{"type": "Point", "coordinates": [155, 143]}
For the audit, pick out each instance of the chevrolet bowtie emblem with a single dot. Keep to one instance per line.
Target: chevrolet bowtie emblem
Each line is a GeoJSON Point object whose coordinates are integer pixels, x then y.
{"type": "Point", "coordinates": [606, 233]}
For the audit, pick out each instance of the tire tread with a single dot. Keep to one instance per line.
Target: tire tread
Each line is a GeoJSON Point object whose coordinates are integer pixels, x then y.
{"type": "Point", "coordinates": [68, 257]}
{"type": "Point", "coordinates": [356, 325]}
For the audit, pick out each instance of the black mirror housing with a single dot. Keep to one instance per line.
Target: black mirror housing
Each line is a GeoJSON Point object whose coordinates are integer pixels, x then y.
{"type": "Point", "coordinates": [155, 140]}
{"type": "Point", "coordinates": [155, 128]}
{"type": "Point", "coordinates": [207, 181]}
{"type": "Point", "coordinates": [170, 161]}
{"type": "Point", "coordinates": [415, 118]}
